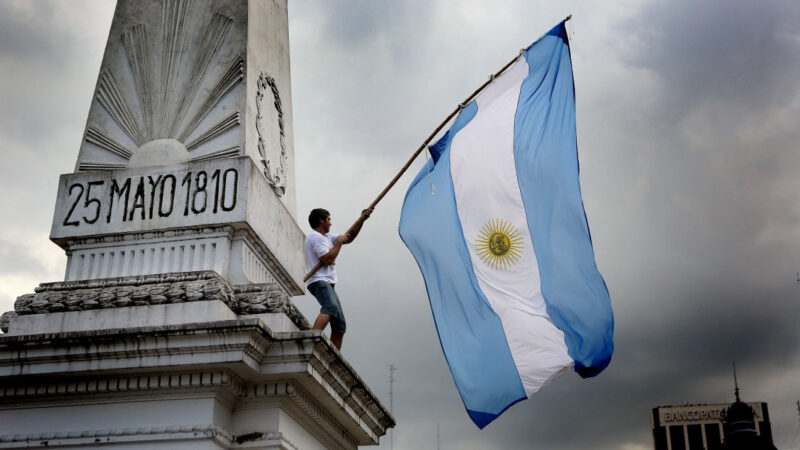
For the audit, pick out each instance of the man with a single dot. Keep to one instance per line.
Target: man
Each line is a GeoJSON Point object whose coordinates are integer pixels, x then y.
{"type": "Point", "coordinates": [323, 247]}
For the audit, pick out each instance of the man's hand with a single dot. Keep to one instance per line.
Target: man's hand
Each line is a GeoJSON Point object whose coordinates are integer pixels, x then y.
{"type": "Point", "coordinates": [353, 231]}
{"type": "Point", "coordinates": [366, 213]}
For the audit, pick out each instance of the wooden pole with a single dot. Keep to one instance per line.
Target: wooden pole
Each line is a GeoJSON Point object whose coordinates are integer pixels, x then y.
{"type": "Point", "coordinates": [360, 220]}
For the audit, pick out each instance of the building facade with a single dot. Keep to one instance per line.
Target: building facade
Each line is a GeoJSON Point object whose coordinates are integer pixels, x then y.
{"type": "Point", "coordinates": [699, 427]}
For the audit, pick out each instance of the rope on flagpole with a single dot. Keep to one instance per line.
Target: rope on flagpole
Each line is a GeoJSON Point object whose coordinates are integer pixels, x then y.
{"type": "Point", "coordinates": [428, 168]}
{"type": "Point", "coordinates": [360, 221]}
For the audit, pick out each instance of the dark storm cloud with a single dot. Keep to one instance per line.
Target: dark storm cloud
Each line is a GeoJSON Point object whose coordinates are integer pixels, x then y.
{"type": "Point", "coordinates": [715, 278]}
{"type": "Point", "coordinates": [687, 124]}
{"type": "Point", "coordinates": [737, 53]}
{"type": "Point", "coordinates": [700, 274]}
{"type": "Point", "coordinates": [723, 160]}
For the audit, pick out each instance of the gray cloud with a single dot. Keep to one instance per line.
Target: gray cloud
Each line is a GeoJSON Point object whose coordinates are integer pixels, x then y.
{"type": "Point", "coordinates": [16, 258]}
{"type": "Point", "coordinates": [737, 56]}
{"type": "Point", "coordinates": [22, 39]}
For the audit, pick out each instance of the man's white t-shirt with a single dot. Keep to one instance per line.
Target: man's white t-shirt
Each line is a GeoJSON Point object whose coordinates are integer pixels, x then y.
{"type": "Point", "coordinates": [318, 244]}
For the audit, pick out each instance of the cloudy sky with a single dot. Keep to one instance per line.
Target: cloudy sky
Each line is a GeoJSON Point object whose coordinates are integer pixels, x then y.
{"type": "Point", "coordinates": [688, 133]}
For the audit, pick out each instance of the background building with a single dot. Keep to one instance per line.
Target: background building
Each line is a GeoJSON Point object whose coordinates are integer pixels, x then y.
{"type": "Point", "coordinates": [699, 427]}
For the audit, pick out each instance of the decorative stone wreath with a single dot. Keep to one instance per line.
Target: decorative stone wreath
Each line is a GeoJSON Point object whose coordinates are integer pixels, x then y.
{"type": "Point", "coordinates": [276, 175]}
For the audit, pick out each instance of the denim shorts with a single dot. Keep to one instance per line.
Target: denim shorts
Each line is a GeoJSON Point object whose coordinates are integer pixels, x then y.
{"type": "Point", "coordinates": [329, 304]}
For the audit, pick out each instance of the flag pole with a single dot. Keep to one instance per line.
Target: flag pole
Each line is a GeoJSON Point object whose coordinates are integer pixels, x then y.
{"type": "Point", "coordinates": [360, 220]}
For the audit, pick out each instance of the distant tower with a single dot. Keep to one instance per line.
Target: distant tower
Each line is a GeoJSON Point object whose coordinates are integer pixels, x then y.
{"type": "Point", "coordinates": [392, 368]}
{"type": "Point", "coordinates": [739, 426]}
{"type": "Point", "coordinates": [712, 427]}
{"type": "Point", "coordinates": [798, 409]}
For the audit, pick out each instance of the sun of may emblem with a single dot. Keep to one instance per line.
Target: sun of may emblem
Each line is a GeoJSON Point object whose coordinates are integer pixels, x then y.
{"type": "Point", "coordinates": [499, 244]}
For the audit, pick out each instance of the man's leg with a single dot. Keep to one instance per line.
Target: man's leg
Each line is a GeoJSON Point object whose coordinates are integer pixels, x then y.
{"type": "Point", "coordinates": [321, 322]}
{"type": "Point", "coordinates": [338, 325]}
{"type": "Point", "coordinates": [336, 338]}
{"type": "Point", "coordinates": [331, 311]}
{"type": "Point", "coordinates": [318, 290]}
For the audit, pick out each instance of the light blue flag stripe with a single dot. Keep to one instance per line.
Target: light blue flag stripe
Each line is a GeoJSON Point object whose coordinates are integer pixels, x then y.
{"type": "Point", "coordinates": [546, 153]}
{"type": "Point", "coordinates": [470, 332]}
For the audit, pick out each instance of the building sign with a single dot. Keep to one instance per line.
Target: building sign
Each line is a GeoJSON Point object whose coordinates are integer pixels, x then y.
{"type": "Point", "coordinates": [700, 413]}
{"type": "Point", "coordinates": [700, 426]}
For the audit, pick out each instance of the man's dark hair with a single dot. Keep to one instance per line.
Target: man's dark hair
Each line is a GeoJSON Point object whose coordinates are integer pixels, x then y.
{"type": "Point", "coordinates": [317, 215]}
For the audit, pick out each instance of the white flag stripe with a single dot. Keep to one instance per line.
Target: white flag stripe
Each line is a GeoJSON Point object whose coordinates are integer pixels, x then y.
{"type": "Point", "coordinates": [484, 149]}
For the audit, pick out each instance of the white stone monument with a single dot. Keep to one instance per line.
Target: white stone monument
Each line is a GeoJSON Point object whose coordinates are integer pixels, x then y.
{"type": "Point", "coordinates": [173, 327]}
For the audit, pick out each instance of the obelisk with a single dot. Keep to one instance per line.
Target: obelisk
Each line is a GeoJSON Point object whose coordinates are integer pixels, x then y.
{"type": "Point", "coordinates": [173, 327]}
{"type": "Point", "coordinates": [187, 160]}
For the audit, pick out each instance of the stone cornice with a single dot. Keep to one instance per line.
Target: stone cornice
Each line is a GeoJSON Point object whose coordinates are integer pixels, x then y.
{"type": "Point", "coordinates": [118, 435]}
{"type": "Point", "coordinates": [330, 369]}
{"type": "Point", "coordinates": [139, 384]}
{"type": "Point", "coordinates": [245, 347]}
{"type": "Point", "coordinates": [146, 434]}
{"type": "Point", "coordinates": [299, 398]}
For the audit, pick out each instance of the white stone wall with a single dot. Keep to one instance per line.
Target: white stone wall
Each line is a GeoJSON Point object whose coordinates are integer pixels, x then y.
{"type": "Point", "coordinates": [221, 384]}
{"type": "Point", "coordinates": [186, 423]}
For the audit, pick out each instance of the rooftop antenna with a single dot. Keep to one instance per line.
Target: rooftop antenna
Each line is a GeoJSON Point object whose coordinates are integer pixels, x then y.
{"type": "Point", "coordinates": [794, 436]}
{"type": "Point", "coordinates": [735, 382]}
{"type": "Point", "coordinates": [392, 379]}
{"type": "Point", "coordinates": [798, 409]}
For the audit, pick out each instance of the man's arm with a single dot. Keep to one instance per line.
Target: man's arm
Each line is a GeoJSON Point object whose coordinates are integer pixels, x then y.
{"type": "Point", "coordinates": [354, 232]}
{"type": "Point", "coordinates": [328, 258]}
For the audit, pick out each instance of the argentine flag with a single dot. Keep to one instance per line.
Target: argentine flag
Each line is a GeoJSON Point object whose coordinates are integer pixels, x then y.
{"type": "Point", "coordinates": [504, 245]}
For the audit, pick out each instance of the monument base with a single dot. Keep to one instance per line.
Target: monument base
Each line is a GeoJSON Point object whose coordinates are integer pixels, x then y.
{"type": "Point", "coordinates": [236, 367]}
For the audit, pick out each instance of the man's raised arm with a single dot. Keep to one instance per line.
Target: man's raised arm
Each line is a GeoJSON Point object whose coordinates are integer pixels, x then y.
{"type": "Point", "coordinates": [354, 231]}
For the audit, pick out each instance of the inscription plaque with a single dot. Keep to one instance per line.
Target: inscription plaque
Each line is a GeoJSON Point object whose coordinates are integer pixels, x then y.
{"type": "Point", "coordinates": [96, 203]}
{"type": "Point", "coordinates": [117, 207]}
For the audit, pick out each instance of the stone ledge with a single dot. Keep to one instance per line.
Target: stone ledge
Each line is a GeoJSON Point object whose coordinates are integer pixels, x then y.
{"type": "Point", "coordinates": [253, 353]}
{"type": "Point", "coordinates": [99, 437]}
{"type": "Point", "coordinates": [49, 389]}
{"type": "Point", "coordinates": [155, 290]}
{"type": "Point", "coordinates": [94, 438]}
{"type": "Point", "coordinates": [305, 402]}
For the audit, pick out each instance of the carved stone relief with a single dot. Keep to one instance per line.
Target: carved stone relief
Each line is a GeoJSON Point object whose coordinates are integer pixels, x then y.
{"type": "Point", "coordinates": [271, 126]}
{"type": "Point", "coordinates": [156, 290]}
{"type": "Point", "coordinates": [155, 120]}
